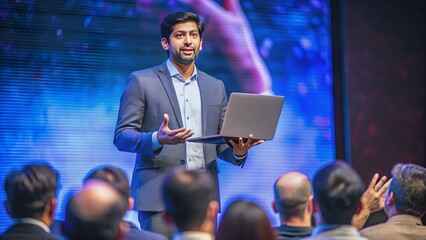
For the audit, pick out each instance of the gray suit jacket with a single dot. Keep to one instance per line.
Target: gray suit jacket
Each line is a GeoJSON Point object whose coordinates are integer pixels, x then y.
{"type": "Point", "coordinates": [148, 95]}
{"type": "Point", "coordinates": [397, 227]}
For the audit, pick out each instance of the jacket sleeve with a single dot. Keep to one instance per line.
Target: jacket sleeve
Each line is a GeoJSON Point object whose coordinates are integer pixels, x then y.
{"type": "Point", "coordinates": [128, 136]}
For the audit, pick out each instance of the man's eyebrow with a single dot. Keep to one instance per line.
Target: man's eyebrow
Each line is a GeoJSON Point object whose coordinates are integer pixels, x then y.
{"type": "Point", "coordinates": [191, 31]}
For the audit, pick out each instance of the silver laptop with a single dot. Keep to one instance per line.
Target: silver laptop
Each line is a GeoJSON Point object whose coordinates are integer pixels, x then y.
{"type": "Point", "coordinates": [247, 114]}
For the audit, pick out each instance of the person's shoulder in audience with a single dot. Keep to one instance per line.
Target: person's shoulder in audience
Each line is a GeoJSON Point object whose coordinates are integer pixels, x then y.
{"type": "Point", "coordinates": [397, 227]}
{"type": "Point", "coordinates": [23, 231]}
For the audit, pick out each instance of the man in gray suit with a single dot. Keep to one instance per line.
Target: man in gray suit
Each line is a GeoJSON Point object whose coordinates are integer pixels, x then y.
{"type": "Point", "coordinates": [163, 106]}
{"type": "Point", "coordinates": [405, 204]}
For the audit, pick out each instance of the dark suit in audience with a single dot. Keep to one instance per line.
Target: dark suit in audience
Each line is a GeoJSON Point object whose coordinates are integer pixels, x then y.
{"type": "Point", "coordinates": [24, 231]}
{"type": "Point", "coordinates": [405, 203]}
{"type": "Point", "coordinates": [337, 191]}
{"type": "Point", "coordinates": [31, 202]}
{"type": "Point", "coordinates": [293, 203]}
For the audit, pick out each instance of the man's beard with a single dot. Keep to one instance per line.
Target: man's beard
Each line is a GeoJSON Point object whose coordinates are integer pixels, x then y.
{"type": "Point", "coordinates": [186, 60]}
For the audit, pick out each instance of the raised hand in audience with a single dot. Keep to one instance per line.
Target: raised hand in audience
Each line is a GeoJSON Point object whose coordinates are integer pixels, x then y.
{"type": "Point", "coordinates": [372, 200]}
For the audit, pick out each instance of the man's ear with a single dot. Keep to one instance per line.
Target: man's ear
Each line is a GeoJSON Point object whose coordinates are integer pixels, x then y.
{"type": "Point", "coordinates": [54, 204]}
{"type": "Point", "coordinates": [165, 44]}
{"type": "Point", "coordinates": [212, 209]}
{"type": "Point", "coordinates": [131, 203]}
{"type": "Point", "coordinates": [391, 199]}
{"type": "Point", "coordinates": [274, 206]}
{"type": "Point", "coordinates": [50, 207]}
{"type": "Point", "coordinates": [310, 204]}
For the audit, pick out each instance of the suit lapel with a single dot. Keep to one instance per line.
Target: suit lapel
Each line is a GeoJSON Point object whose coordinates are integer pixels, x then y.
{"type": "Point", "coordinates": [204, 93]}
{"type": "Point", "coordinates": [165, 78]}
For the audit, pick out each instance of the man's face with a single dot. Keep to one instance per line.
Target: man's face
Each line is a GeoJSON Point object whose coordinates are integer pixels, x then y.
{"type": "Point", "coordinates": [184, 43]}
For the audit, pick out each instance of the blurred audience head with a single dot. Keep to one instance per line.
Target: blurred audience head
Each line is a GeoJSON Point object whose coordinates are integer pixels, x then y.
{"type": "Point", "coordinates": [337, 190]}
{"type": "Point", "coordinates": [189, 200]}
{"type": "Point", "coordinates": [114, 176]}
{"type": "Point", "coordinates": [31, 192]}
{"type": "Point", "coordinates": [407, 191]}
{"type": "Point", "coordinates": [244, 220]}
{"type": "Point", "coordinates": [179, 17]}
{"type": "Point", "coordinates": [293, 198]}
{"type": "Point", "coordinates": [95, 213]}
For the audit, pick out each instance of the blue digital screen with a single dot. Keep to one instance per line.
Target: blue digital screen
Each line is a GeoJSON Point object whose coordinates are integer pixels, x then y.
{"type": "Point", "coordinates": [64, 65]}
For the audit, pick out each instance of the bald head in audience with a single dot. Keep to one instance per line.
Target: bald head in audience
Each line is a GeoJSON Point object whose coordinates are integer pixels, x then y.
{"type": "Point", "coordinates": [293, 203]}
{"type": "Point", "coordinates": [95, 213]}
{"type": "Point", "coordinates": [293, 199]}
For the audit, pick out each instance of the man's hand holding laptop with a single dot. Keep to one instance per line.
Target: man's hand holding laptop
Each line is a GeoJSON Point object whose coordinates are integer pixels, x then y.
{"type": "Point", "coordinates": [241, 148]}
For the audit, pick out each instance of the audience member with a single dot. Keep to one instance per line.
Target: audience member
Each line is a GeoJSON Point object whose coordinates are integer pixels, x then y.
{"type": "Point", "coordinates": [31, 201]}
{"type": "Point", "coordinates": [293, 203]}
{"type": "Point", "coordinates": [245, 221]}
{"type": "Point", "coordinates": [118, 180]}
{"type": "Point", "coordinates": [189, 198]}
{"type": "Point", "coordinates": [95, 213]}
{"type": "Point", "coordinates": [337, 190]}
{"type": "Point", "coordinates": [405, 204]}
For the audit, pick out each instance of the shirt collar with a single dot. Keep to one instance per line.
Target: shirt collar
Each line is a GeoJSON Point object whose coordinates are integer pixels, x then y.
{"type": "Point", "coordinates": [34, 222]}
{"type": "Point", "coordinates": [175, 73]}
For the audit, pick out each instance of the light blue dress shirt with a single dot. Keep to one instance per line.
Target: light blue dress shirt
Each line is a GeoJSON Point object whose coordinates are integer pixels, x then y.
{"type": "Point", "coordinates": [188, 94]}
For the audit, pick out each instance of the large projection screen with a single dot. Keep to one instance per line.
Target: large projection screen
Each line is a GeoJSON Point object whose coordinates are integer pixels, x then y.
{"type": "Point", "coordinates": [64, 65]}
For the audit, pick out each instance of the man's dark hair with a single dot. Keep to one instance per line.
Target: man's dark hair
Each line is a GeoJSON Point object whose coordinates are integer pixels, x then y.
{"type": "Point", "coordinates": [292, 203]}
{"type": "Point", "coordinates": [30, 190]}
{"type": "Point", "coordinates": [409, 188]}
{"type": "Point", "coordinates": [114, 176]}
{"type": "Point", "coordinates": [89, 219]}
{"type": "Point", "coordinates": [186, 195]}
{"type": "Point", "coordinates": [337, 190]}
{"type": "Point", "coordinates": [179, 17]}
